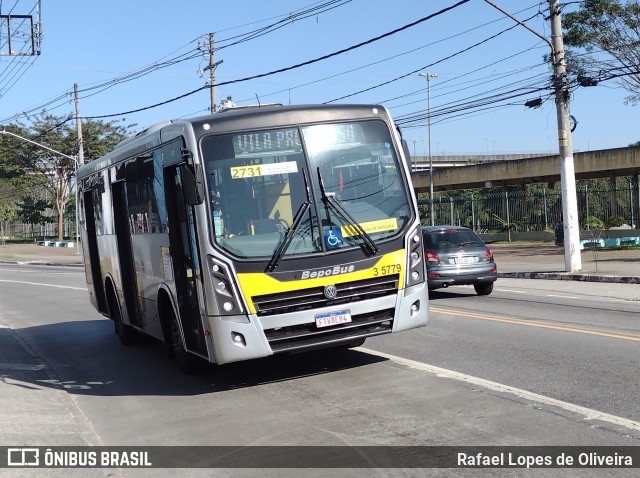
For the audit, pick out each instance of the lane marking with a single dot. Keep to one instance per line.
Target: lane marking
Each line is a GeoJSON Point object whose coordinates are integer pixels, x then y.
{"type": "Point", "coordinates": [43, 285]}
{"type": "Point", "coordinates": [542, 324]}
{"type": "Point", "coordinates": [588, 413]}
{"type": "Point", "coordinates": [28, 271]}
{"type": "Point", "coordinates": [586, 297]}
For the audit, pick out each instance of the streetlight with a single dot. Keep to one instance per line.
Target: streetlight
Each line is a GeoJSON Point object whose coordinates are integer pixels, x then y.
{"type": "Point", "coordinates": [72, 158]}
{"type": "Point", "coordinates": [415, 158]}
{"type": "Point", "coordinates": [428, 76]}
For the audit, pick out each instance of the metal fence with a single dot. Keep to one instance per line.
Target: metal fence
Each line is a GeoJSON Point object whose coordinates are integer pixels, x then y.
{"type": "Point", "coordinates": [533, 209]}
{"type": "Point", "coordinates": [16, 229]}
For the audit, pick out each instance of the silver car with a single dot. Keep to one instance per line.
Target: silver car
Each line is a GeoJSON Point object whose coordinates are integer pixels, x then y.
{"type": "Point", "coordinates": [456, 255]}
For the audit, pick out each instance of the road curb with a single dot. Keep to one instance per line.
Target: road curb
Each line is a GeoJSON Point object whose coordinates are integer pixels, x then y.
{"type": "Point", "coordinates": [571, 276]}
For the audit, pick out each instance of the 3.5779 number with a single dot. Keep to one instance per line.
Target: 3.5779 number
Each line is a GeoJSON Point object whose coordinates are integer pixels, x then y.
{"type": "Point", "coordinates": [386, 270]}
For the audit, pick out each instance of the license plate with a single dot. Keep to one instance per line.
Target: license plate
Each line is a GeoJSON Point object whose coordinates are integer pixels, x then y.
{"type": "Point", "coordinates": [333, 318]}
{"type": "Point", "coordinates": [464, 260]}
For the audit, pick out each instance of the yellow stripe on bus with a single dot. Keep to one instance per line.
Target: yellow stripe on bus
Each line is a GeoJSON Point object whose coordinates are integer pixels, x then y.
{"type": "Point", "coordinates": [257, 283]}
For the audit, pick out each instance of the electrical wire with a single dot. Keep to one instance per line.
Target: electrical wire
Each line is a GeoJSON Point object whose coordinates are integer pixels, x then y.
{"type": "Point", "coordinates": [292, 67]}
{"type": "Point", "coordinates": [377, 62]}
{"type": "Point", "coordinates": [16, 69]}
{"type": "Point", "coordinates": [136, 74]}
{"type": "Point", "coordinates": [426, 66]}
{"type": "Point", "coordinates": [300, 15]}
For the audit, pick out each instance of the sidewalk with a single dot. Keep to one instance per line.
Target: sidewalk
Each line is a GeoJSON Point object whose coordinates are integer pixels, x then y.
{"type": "Point", "coordinates": [544, 260]}
{"type": "Point", "coordinates": [528, 260]}
{"type": "Point", "coordinates": [35, 254]}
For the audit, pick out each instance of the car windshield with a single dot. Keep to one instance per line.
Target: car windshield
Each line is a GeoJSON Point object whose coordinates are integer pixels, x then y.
{"type": "Point", "coordinates": [260, 181]}
{"type": "Point", "coordinates": [437, 240]}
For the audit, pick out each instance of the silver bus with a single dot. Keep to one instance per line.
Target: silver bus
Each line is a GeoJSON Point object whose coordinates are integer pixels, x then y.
{"type": "Point", "coordinates": [255, 231]}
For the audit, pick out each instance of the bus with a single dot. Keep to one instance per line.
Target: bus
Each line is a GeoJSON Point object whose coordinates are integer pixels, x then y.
{"type": "Point", "coordinates": [255, 231]}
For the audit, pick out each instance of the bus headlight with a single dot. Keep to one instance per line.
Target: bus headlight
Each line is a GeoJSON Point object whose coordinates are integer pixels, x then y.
{"type": "Point", "coordinates": [415, 263]}
{"type": "Point", "coordinates": [226, 293]}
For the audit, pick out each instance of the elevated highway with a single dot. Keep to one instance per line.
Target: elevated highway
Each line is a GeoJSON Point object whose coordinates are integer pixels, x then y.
{"type": "Point", "coordinates": [608, 163]}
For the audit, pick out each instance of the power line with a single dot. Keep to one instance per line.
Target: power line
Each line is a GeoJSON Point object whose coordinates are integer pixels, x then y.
{"type": "Point", "coordinates": [143, 71]}
{"type": "Point", "coordinates": [16, 69]}
{"type": "Point", "coordinates": [292, 67]}
{"type": "Point", "coordinates": [299, 15]}
{"type": "Point", "coordinates": [377, 62]}
{"type": "Point", "coordinates": [424, 67]}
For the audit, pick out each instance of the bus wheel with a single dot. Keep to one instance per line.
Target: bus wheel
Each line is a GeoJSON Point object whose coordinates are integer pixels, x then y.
{"type": "Point", "coordinates": [187, 363]}
{"type": "Point", "coordinates": [126, 334]}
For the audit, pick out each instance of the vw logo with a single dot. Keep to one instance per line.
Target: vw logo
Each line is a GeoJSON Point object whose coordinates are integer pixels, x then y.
{"type": "Point", "coordinates": [330, 291]}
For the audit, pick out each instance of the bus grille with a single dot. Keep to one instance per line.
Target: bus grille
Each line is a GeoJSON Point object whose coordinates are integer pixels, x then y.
{"type": "Point", "coordinates": [313, 298]}
{"type": "Point", "coordinates": [287, 339]}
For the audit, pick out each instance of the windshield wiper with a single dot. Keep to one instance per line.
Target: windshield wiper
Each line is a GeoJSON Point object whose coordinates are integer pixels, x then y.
{"type": "Point", "coordinates": [368, 245]}
{"type": "Point", "coordinates": [288, 235]}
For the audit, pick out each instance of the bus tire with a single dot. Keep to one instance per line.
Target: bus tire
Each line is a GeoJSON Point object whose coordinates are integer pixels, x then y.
{"type": "Point", "coordinates": [187, 363]}
{"type": "Point", "coordinates": [127, 335]}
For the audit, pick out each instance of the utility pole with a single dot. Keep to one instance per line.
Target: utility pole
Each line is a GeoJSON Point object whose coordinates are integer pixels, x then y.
{"type": "Point", "coordinates": [572, 258]}
{"type": "Point", "coordinates": [571, 225]}
{"type": "Point", "coordinates": [78, 125]}
{"type": "Point", "coordinates": [212, 72]}
{"type": "Point", "coordinates": [80, 160]}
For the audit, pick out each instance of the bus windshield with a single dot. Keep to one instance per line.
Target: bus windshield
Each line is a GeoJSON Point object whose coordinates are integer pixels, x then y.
{"type": "Point", "coordinates": [344, 179]}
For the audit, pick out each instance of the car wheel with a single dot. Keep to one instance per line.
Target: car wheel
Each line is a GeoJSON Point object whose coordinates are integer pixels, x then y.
{"type": "Point", "coordinates": [484, 288]}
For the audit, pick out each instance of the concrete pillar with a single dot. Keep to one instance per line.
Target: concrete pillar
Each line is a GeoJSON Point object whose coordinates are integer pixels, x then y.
{"type": "Point", "coordinates": [636, 199]}
{"type": "Point", "coordinates": [613, 207]}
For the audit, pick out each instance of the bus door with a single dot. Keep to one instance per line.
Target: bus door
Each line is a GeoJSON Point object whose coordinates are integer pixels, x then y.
{"type": "Point", "coordinates": [122, 221]}
{"type": "Point", "coordinates": [184, 256]}
{"type": "Point", "coordinates": [93, 219]}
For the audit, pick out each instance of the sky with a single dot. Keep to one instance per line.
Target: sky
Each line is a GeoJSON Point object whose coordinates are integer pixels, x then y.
{"type": "Point", "coordinates": [132, 55]}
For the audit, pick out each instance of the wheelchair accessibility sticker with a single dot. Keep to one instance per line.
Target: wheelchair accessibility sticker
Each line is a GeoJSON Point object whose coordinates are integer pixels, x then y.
{"type": "Point", "coordinates": [332, 237]}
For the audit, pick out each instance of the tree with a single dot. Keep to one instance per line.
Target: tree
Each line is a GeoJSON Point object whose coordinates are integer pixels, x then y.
{"type": "Point", "coordinates": [609, 32]}
{"type": "Point", "coordinates": [31, 210]}
{"type": "Point", "coordinates": [15, 161]}
{"type": "Point", "coordinates": [7, 213]}
{"type": "Point", "coordinates": [58, 133]}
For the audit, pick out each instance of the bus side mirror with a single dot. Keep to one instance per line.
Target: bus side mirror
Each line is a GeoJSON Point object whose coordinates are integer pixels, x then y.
{"type": "Point", "coordinates": [405, 147]}
{"type": "Point", "coordinates": [193, 182]}
{"type": "Point", "coordinates": [407, 154]}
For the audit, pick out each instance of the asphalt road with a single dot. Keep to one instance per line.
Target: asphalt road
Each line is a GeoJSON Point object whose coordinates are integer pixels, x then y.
{"type": "Point", "coordinates": [535, 363]}
{"type": "Point", "coordinates": [576, 342]}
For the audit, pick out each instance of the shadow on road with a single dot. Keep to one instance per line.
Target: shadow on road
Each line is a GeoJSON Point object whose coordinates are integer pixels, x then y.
{"type": "Point", "coordinates": [86, 357]}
